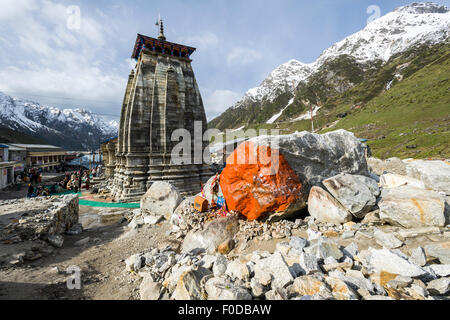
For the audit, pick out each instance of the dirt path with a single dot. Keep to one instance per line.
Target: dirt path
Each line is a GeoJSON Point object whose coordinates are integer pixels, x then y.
{"type": "Point", "coordinates": [101, 262]}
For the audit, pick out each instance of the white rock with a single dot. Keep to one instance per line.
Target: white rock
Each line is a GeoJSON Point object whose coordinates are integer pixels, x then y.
{"type": "Point", "coordinates": [387, 240]}
{"type": "Point", "coordinates": [435, 174]}
{"type": "Point", "coordinates": [440, 251]}
{"type": "Point", "coordinates": [309, 263]}
{"type": "Point", "coordinates": [418, 257]}
{"type": "Point", "coordinates": [149, 290]}
{"type": "Point", "coordinates": [161, 199]}
{"type": "Point", "coordinates": [152, 220]}
{"type": "Point", "coordinates": [441, 270]}
{"type": "Point", "coordinates": [298, 243]}
{"type": "Point", "coordinates": [324, 208]}
{"type": "Point", "coordinates": [340, 290]}
{"type": "Point", "coordinates": [391, 180]}
{"type": "Point", "coordinates": [220, 266]}
{"type": "Point", "coordinates": [439, 286]}
{"type": "Point", "coordinates": [222, 289]}
{"type": "Point", "coordinates": [273, 270]}
{"type": "Point", "coordinates": [358, 194]}
{"type": "Point", "coordinates": [189, 285]}
{"type": "Point", "coordinates": [212, 236]}
{"type": "Point", "coordinates": [208, 261]}
{"type": "Point", "coordinates": [412, 207]}
{"type": "Point", "coordinates": [388, 261]}
{"type": "Point", "coordinates": [239, 270]}
{"type": "Point", "coordinates": [257, 289]}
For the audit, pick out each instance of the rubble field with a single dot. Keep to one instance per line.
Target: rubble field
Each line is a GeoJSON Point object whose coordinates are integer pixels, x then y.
{"type": "Point", "coordinates": [363, 230]}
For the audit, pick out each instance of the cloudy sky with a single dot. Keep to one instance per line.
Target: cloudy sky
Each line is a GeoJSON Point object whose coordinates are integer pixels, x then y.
{"type": "Point", "coordinates": [50, 56]}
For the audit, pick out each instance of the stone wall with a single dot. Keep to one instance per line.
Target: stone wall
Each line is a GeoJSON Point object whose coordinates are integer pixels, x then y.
{"type": "Point", "coordinates": [32, 219]}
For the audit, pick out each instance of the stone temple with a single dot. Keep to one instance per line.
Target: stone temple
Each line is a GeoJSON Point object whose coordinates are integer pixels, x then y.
{"type": "Point", "coordinates": [161, 96]}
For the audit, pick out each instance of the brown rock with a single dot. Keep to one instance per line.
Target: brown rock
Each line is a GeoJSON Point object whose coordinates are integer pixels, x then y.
{"type": "Point", "coordinates": [226, 247]}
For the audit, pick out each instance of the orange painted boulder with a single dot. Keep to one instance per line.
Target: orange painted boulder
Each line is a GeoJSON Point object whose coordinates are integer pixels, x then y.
{"type": "Point", "coordinates": [259, 182]}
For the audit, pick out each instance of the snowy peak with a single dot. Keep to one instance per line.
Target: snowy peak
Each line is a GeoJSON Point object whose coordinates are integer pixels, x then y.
{"type": "Point", "coordinates": [422, 8]}
{"type": "Point", "coordinates": [415, 24]}
{"type": "Point", "coordinates": [35, 119]}
{"type": "Point", "coordinates": [284, 78]}
{"type": "Point", "coordinates": [396, 32]}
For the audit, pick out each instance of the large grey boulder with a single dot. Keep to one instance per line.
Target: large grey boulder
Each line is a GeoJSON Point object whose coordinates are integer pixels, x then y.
{"type": "Point", "coordinates": [411, 207]}
{"type": "Point", "coordinates": [435, 174]}
{"type": "Point", "coordinates": [161, 200]}
{"type": "Point", "coordinates": [324, 208]}
{"type": "Point", "coordinates": [316, 157]}
{"type": "Point", "coordinates": [358, 194]}
{"type": "Point", "coordinates": [214, 234]}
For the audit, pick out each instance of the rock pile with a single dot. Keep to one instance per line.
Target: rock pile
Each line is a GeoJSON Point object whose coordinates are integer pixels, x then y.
{"type": "Point", "coordinates": [299, 269]}
{"type": "Point", "coordinates": [47, 219]}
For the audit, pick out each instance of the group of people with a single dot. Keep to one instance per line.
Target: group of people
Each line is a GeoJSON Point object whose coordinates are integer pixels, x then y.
{"type": "Point", "coordinates": [33, 176]}
{"type": "Point", "coordinates": [79, 180]}
{"type": "Point", "coordinates": [41, 191]}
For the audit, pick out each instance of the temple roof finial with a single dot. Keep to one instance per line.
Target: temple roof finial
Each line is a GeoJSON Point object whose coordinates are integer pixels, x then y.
{"type": "Point", "coordinates": [161, 29]}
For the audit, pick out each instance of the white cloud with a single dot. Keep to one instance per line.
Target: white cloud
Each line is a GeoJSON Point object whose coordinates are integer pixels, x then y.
{"type": "Point", "coordinates": [203, 41]}
{"type": "Point", "coordinates": [219, 101]}
{"type": "Point", "coordinates": [54, 60]}
{"type": "Point", "coordinates": [243, 56]}
{"type": "Point", "coordinates": [12, 9]}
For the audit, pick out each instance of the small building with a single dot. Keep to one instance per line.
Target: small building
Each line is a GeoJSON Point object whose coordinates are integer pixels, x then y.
{"type": "Point", "coordinates": [6, 167]}
{"type": "Point", "coordinates": [45, 157]}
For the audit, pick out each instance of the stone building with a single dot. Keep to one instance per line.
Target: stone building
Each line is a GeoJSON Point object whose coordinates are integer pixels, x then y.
{"type": "Point", "coordinates": [161, 96]}
{"type": "Point", "coordinates": [108, 150]}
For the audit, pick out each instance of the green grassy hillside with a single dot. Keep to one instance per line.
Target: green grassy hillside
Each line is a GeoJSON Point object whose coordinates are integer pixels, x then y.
{"type": "Point", "coordinates": [410, 119]}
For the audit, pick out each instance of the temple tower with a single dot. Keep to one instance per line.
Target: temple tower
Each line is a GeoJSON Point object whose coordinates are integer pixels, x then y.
{"type": "Point", "coordinates": [161, 96]}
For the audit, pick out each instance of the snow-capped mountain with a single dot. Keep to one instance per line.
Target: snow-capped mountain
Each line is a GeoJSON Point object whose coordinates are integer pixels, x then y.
{"type": "Point", "coordinates": [394, 33]}
{"type": "Point", "coordinates": [75, 129]}
{"type": "Point", "coordinates": [284, 78]}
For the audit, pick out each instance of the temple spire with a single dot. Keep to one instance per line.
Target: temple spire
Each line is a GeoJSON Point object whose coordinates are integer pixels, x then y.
{"type": "Point", "coordinates": [161, 29]}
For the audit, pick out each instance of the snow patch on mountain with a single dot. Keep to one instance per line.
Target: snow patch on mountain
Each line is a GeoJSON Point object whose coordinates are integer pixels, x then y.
{"type": "Point", "coordinates": [284, 78]}
{"type": "Point", "coordinates": [16, 113]}
{"type": "Point", "coordinates": [397, 31]}
{"type": "Point", "coordinates": [275, 117]}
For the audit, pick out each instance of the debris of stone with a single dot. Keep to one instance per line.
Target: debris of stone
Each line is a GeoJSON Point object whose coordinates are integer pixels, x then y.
{"type": "Point", "coordinates": [56, 240]}
{"type": "Point", "coordinates": [439, 287]}
{"type": "Point", "coordinates": [324, 208]}
{"type": "Point", "coordinates": [418, 257]}
{"type": "Point", "coordinates": [440, 251]}
{"type": "Point", "coordinates": [358, 194]}
{"type": "Point", "coordinates": [387, 240]}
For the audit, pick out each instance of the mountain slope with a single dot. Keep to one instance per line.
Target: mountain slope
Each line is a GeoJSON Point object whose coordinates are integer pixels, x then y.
{"type": "Point", "coordinates": [342, 66]}
{"type": "Point", "coordinates": [76, 129]}
{"type": "Point", "coordinates": [356, 74]}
